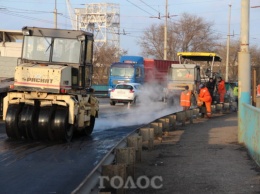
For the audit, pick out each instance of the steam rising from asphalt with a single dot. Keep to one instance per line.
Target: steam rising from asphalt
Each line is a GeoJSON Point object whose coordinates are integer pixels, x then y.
{"type": "Point", "coordinates": [149, 107]}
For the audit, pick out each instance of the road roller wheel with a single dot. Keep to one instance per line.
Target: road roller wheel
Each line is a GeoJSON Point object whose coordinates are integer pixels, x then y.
{"type": "Point", "coordinates": [28, 121]}
{"type": "Point", "coordinates": [61, 127]}
{"type": "Point", "coordinates": [11, 121]}
{"type": "Point", "coordinates": [45, 119]}
{"type": "Point", "coordinates": [89, 129]}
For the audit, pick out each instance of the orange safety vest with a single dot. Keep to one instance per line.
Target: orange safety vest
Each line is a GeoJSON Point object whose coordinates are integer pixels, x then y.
{"type": "Point", "coordinates": [185, 98]}
{"type": "Point", "coordinates": [204, 95]}
{"type": "Point", "coordinates": [221, 87]}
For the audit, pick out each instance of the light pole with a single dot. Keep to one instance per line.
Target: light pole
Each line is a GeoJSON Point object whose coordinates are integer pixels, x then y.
{"type": "Point", "coordinates": [244, 68]}
{"type": "Point", "coordinates": [55, 15]}
{"type": "Point", "coordinates": [165, 31]}
{"type": "Point", "coordinates": [228, 42]}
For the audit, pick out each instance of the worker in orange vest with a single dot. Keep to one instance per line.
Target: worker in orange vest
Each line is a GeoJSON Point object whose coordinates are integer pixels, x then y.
{"type": "Point", "coordinates": [185, 100]}
{"type": "Point", "coordinates": [204, 96]}
{"type": "Point", "coordinates": [221, 89]}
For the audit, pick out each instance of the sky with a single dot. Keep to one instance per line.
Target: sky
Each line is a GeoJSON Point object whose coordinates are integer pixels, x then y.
{"type": "Point", "coordinates": [135, 16]}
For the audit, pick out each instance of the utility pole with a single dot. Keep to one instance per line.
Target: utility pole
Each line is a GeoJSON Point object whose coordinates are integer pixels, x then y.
{"type": "Point", "coordinates": [228, 42]}
{"type": "Point", "coordinates": [244, 69]}
{"type": "Point", "coordinates": [165, 31]}
{"type": "Point", "coordinates": [55, 15]}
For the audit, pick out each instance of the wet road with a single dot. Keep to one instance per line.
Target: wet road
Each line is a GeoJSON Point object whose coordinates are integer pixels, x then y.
{"type": "Point", "coordinates": [44, 167]}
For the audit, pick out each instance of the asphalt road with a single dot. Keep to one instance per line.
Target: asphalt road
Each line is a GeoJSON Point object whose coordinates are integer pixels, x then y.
{"type": "Point", "coordinates": [46, 167]}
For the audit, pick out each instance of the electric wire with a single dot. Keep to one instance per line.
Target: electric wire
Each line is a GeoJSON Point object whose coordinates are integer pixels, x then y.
{"type": "Point", "coordinates": [140, 8]}
{"type": "Point", "coordinates": [149, 6]}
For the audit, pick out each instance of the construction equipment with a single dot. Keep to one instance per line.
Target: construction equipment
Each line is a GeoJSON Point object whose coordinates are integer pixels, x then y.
{"type": "Point", "coordinates": [52, 95]}
{"type": "Point", "coordinates": [189, 74]}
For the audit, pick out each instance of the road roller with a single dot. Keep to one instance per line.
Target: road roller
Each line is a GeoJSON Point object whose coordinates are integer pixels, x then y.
{"type": "Point", "coordinates": [51, 97]}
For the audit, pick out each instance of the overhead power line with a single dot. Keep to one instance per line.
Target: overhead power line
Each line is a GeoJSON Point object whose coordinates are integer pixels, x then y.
{"type": "Point", "coordinates": [23, 10]}
{"type": "Point", "coordinates": [12, 13]}
{"type": "Point", "coordinates": [140, 8]}
{"type": "Point", "coordinates": [149, 6]}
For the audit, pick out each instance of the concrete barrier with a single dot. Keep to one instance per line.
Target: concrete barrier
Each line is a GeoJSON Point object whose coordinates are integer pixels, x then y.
{"type": "Point", "coordinates": [249, 131]}
{"type": "Point", "coordinates": [226, 107]}
{"type": "Point", "coordinates": [165, 123]}
{"type": "Point", "coordinates": [196, 113]}
{"type": "Point", "coordinates": [181, 117]}
{"type": "Point", "coordinates": [219, 108]}
{"type": "Point", "coordinates": [158, 129]}
{"type": "Point", "coordinates": [189, 115]}
{"type": "Point", "coordinates": [111, 171]}
{"type": "Point", "coordinates": [147, 136]}
{"type": "Point", "coordinates": [136, 142]}
{"type": "Point", "coordinates": [213, 108]}
{"type": "Point", "coordinates": [127, 156]}
{"type": "Point", "coordinates": [172, 125]}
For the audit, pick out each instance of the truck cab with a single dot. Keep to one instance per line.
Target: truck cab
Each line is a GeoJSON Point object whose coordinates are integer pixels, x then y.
{"type": "Point", "coordinates": [130, 69]}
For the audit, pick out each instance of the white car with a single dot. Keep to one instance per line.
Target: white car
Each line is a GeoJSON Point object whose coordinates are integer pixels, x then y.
{"type": "Point", "coordinates": [125, 93]}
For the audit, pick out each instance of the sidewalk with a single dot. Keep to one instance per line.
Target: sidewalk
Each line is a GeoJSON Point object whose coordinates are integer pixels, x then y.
{"type": "Point", "coordinates": [203, 157]}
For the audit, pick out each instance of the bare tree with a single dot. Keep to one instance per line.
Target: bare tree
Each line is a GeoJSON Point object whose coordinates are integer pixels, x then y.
{"type": "Point", "coordinates": [234, 48]}
{"type": "Point", "coordinates": [151, 41]}
{"type": "Point", "coordinates": [103, 58]}
{"type": "Point", "coordinates": [233, 59]}
{"type": "Point", "coordinates": [255, 61]}
{"type": "Point", "coordinates": [194, 34]}
{"type": "Point", "coordinates": [189, 33]}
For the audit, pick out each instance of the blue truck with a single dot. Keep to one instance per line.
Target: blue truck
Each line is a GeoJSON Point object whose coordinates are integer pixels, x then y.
{"type": "Point", "coordinates": [130, 69]}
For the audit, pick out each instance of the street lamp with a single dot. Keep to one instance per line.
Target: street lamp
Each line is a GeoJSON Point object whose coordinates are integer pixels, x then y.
{"type": "Point", "coordinates": [165, 32]}
{"type": "Point", "coordinates": [165, 28]}
{"type": "Point", "coordinates": [55, 15]}
{"type": "Point", "coordinates": [228, 42]}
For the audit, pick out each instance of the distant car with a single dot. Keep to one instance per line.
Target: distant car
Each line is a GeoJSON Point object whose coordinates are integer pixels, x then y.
{"type": "Point", "coordinates": [125, 93]}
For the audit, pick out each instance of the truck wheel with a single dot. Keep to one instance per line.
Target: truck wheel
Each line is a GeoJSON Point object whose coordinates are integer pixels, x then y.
{"type": "Point", "coordinates": [28, 121]}
{"type": "Point", "coordinates": [45, 119]}
{"type": "Point", "coordinates": [61, 127]}
{"type": "Point", "coordinates": [11, 121]}
{"type": "Point", "coordinates": [89, 129]}
{"type": "Point", "coordinates": [112, 103]}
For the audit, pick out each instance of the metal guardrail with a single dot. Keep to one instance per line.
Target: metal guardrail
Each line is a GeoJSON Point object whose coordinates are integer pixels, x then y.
{"type": "Point", "coordinates": [90, 184]}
